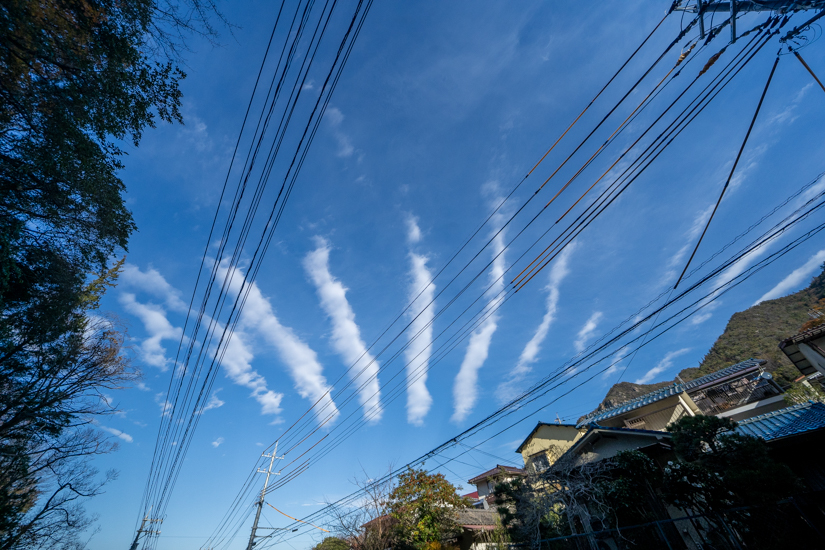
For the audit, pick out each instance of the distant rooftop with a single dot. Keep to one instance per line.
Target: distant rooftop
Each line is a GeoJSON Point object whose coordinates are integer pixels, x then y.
{"type": "Point", "coordinates": [475, 519]}
{"type": "Point", "coordinates": [794, 420]}
{"type": "Point", "coordinates": [804, 336]}
{"type": "Point", "coordinates": [790, 346]}
{"type": "Point", "coordinates": [497, 471]}
{"type": "Point", "coordinates": [674, 389]}
{"type": "Point", "coordinates": [539, 425]}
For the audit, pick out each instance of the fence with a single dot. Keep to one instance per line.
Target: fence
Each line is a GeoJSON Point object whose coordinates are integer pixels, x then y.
{"type": "Point", "coordinates": [795, 523]}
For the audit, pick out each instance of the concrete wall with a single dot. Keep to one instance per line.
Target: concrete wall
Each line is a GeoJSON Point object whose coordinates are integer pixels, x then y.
{"type": "Point", "coordinates": [608, 445]}
{"type": "Point", "coordinates": [553, 438]}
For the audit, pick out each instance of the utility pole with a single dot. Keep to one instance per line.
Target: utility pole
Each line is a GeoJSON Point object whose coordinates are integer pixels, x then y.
{"type": "Point", "coordinates": [260, 504]}
{"type": "Point", "coordinates": [737, 7]}
{"type": "Point", "coordinates": [143, 529]}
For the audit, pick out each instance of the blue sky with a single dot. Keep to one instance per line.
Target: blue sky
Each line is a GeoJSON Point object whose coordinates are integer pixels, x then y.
{"type": "Point", "coordinates": [441, 110]}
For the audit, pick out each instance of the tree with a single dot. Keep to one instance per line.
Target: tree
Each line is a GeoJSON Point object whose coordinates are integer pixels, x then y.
{"type": "Point", "coordinates": [49, 407]}
{"type": "Point", "coordinates": [77, 78]}
{"type": "Point", "coordinates": [424, 506]}
{"type": "Point", "coordinates": [367, 525]}
{"type": "Point", "coordinates": [332, 543]}
{"type": "Point", "coordinates": [720, 468]}
{"type": "Point", "coordinates": [802, 392]}
{"type": "Point", "coordinates": [819, 310]}
{"type": "Point", "coordinates": [576, 496]}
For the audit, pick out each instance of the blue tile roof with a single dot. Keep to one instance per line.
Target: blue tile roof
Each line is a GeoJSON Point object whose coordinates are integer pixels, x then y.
{"type": "Point", "coordinates": [793, 420]}
{"type": "Point", "coordinates": [664, 393]}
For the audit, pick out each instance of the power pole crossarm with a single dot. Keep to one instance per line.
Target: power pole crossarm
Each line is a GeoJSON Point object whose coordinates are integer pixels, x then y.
{"type": "Point", "coordinates": [143, 530]}
{"type": "Point", "coordinates": [260, 503]}
{"type": "Point", "coordinates": [743, 6]}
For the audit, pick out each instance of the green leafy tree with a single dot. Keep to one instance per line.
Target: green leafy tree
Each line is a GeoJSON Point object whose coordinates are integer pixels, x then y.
{"type": "Point", "coordinates": [78, 78]}
{"type": "Point", "coordinates": [720, 469]}
{"type": "Point", "coordinates": [802, 392]}
{"type": "Point", "coordinates": [332, 543]}
{"type": "Point", "coordinates": [424, 505]}
{"type": "Point", "coordinates": [819, 308]}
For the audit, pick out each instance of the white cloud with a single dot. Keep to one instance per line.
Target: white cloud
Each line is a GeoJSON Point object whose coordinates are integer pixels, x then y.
{"type": "Point", "coordinates": [122, 435]}
{"type": "Point", "coordinates": [413, 231]}
{"type": "Point", "coordinates": [788, 114]}
{"type": "Point", "coordinates": [213, 403]}
{"type": "Point", "coordinates": [465, 389]}
{"type": "Point", "coordinates": [615, 363]}
{"type": "Point", "coordinates": [346, 336]}
{"type": "Point", "coordinates": [587, 331]}
{"type": "Point", "coordinates": [797, 277]}
{"type": "Point", "coordinates": [237, 364]}
{"type": "Point", "coordinates": [163, 403]}
{"type": "Point", "coordinates": [153, 283]}
{"type": "Point", "coordinates": [677, 261]}
{"type": "Point", "coordinates": [335, 118]}
{"type": "Point", "coordinates": [811, 192]}
{"type": "Point", "coordinates": [662, 365]}
{"type": "Point", "coordinates": [420, 314]}
{"type": "Point", "coordinates": [197, 133]}
{"type": "Point", "coordinates": [217, 442]}
{"type": "Point", "coordinates": [301, 360]}
{"type": "Point", "coordinates": [738, 267]}
{"type": "Point", "coordinates": [529, 354]}
{"type": "Point", "coordinates": [157, 327]}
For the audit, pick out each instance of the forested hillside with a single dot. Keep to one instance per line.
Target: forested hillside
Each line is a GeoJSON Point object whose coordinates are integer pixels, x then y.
{"type": "Point", "coordinates": [755, 332]}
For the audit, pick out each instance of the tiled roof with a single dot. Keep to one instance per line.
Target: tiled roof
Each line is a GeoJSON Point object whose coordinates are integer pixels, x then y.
{"type": "Point", "coordinates": [790, 347]}
{"type": "Point", "coordinates": [669, 391]}
{"type": "Point", "coordinates": [471, 496]}
{"type": "Point", "coordinates": [786, 422]}
{"type": "Point", "coordinates": [498, 470]}
{"type": "Point", "coordinates": [473, 517]}
{"type": "Point", "coordinates": [803, 336]}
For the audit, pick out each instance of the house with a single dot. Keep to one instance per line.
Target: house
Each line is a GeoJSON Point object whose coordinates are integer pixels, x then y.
{"type": "Point", "coordinates": [737, 392]}
{"type": "Point", "coordinates": [543, 446]}
{"type": "Point", "coordinates": [476, 528]}
{"type": "Point", "coordinates": [486, 484]}
{"type": "Point", "coordinates": [796, 437]}
{"type": "Point", "coordinates": [806, 350]}
{"type": "Point", "coordinates": [600, 442]}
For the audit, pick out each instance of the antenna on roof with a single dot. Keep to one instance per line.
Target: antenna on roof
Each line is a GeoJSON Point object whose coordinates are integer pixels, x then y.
{"type": "Point", "coordinates": [558, 420]}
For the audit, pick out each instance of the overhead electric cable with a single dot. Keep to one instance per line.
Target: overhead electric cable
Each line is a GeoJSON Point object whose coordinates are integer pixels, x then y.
{"type": "Point", "coordinates": [799, 57]}
{"type": "Point", "coordinates": [714, 294]}
{"type": "Point", "coordinates": [495, 211]}
{"type": "Point", "coordinates": [652, 152]}
{"type": "Point", "coordinates": [173, 468]}
{"type": "Point", "coordinates": [732, 170]}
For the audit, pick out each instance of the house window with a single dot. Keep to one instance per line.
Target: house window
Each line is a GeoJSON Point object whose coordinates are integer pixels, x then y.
{"type": "Point", "coordinates": [636, 423]}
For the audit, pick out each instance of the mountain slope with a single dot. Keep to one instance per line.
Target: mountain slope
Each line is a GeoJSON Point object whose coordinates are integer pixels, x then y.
{"type": "Point", "coordinates": [755, 332]}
